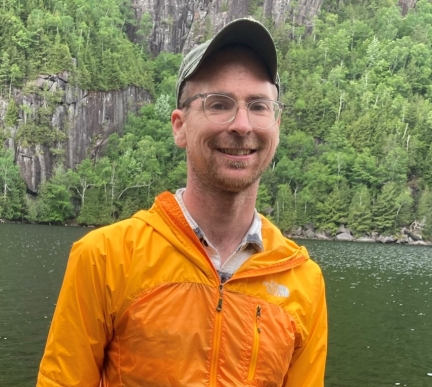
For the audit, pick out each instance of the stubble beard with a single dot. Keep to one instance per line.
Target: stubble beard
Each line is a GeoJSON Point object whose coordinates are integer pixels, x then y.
{"type": "Point", "coordinates": [214, 179]}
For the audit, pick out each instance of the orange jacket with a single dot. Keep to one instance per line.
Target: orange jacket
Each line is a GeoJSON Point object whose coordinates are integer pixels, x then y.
{"type": "Point", "coordinates": [142, 305]}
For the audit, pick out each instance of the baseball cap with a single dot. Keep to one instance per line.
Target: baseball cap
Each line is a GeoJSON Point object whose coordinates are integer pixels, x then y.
{"type": "Point", "coordinates": [245, 31]}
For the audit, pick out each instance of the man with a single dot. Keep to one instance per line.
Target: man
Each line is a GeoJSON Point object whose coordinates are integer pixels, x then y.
{"type": "Point", "coordinates": [200, 290]}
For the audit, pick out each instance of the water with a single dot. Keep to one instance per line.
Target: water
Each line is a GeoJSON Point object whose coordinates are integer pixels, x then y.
{"type": "Point", "coordinates": [379, 300]}
{"type": "Point", "coordinates": [32, 264]}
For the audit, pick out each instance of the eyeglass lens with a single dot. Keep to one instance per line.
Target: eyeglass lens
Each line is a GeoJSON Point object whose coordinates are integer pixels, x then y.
{"type": "Point", "coordinates": [222, 109]}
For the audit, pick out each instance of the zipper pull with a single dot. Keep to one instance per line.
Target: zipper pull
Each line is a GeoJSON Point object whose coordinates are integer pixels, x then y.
{"type": "Point", "coordinates": [219, 305]}
{"type": "Point", "coordinates": [258, 317]}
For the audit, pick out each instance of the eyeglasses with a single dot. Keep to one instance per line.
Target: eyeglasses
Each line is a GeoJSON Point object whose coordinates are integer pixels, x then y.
{"type": "Point", "coordinates": [222, 109]}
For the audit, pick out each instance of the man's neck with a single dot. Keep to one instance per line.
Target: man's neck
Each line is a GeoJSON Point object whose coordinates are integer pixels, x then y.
{"type": "Point", "coordinates": [224, 217]}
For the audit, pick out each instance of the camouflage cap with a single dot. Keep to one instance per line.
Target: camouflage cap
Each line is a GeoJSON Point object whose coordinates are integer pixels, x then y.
{"type": "Point", "coordinates": [245, 31]}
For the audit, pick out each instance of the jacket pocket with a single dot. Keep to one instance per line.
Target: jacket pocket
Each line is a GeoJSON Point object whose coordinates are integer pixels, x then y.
{"type": "Point", "coordinates": [256, 342]}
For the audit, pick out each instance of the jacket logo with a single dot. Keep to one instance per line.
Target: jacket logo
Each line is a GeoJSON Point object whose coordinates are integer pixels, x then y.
{"type": "Point", "coordinates": [277, 290]}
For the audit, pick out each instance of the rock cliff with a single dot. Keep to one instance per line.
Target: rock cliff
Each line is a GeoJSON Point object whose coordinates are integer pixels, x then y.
{"type": "Point", "coordinates": [180, 24]}
{"type": "Point", "coordinates": [84, 120]}
{"type": "Point", "coordinates": [406, 5]}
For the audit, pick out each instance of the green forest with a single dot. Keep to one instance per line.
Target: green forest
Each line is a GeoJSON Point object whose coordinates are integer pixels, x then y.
{"type": "Point", "coordinates": [356, 133]}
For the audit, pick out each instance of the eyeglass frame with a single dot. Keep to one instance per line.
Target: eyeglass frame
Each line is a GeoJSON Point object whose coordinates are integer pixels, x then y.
{"type": "Point", "coordinates": [204, 97]}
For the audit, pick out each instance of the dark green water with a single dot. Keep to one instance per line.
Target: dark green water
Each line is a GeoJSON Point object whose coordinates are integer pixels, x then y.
{"type": "Point", "coordinates": [379, 299]}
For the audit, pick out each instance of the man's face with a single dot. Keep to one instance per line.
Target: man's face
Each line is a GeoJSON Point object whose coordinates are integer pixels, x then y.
{"type": "Point", "coordinates": [228, 157]}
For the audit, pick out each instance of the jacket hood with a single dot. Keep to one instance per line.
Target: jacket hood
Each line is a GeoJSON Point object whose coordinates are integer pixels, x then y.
{"type": "Point", "coordinates": [279, 252]}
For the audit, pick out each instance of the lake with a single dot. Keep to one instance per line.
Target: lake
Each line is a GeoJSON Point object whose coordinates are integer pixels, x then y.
{"type": "Point", "coordinates": [379, 301]}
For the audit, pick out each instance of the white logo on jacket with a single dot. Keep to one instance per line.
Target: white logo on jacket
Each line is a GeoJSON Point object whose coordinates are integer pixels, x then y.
{"type": "Point", "coordinates": [277, 290]}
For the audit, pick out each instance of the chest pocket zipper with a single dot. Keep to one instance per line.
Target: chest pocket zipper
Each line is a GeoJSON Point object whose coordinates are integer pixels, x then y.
{"type": "Point", "coordinates": [255, 348]}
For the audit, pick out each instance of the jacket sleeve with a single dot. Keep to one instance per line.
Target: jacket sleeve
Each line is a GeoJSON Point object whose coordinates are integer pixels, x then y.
{"type": "Point", "coordinates": [82, 322]}
{"type": "Point", "coordinates": [308, 362]}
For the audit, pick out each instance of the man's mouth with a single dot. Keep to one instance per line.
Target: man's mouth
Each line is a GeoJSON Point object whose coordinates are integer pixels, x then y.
{"type": "Point", "coordinates": [237, 152]}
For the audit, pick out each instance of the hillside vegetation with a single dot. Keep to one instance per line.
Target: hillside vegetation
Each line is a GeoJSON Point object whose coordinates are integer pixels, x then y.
{"type": "Point", "coordinates": [355, 137]}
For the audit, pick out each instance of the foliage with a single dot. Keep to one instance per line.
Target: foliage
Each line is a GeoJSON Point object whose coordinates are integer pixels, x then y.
{"type": "Point", "coordinates": [424, 213]}
{"type": "Point", "coordinates": [12, 188]}
{"type": "Point", "coordinates": [86, 38]}
{"type": "Point", "coordinates": [37, 127]}
{"type": "Point", "coordinates": [131, 173]}
{"type": "Point", "coordinates": [355, 138]}
{"type": "Point", "coordinates": [360, 211]}
{"type": "Point", "coordinates": [53, 204]}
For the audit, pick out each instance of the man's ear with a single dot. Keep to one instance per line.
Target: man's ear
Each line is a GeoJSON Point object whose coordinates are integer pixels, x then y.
{"type": "Point", "coordinates": [179, 127]}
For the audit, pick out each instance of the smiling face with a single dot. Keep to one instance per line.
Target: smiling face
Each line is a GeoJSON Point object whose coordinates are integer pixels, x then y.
{"type": "Point", "coordinates": [228, 157]}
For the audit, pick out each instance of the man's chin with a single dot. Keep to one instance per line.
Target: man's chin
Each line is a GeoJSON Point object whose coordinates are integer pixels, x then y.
{"type": "Point", "coordinates": [234, 184]}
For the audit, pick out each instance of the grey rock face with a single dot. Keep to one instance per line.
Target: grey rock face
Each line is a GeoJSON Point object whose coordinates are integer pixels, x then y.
{"type": "Point", "coordinates": [86, 119]}
{"type": "Point", "coordinates": [406, 5]}
{"type": "Point", "coordinates": [179, 25]}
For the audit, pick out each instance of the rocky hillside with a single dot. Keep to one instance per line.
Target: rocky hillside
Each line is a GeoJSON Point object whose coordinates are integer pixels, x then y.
{"type": "Point", "coordinates": [81, 120]}
{"type": "Point", "coordinates": [178, 25]}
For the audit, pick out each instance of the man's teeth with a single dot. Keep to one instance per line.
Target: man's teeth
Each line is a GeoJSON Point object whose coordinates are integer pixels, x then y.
{"type": "Point", "coordinates": [237, 152]}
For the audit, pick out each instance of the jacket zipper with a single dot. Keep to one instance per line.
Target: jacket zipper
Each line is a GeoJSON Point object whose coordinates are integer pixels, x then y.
{"type": "Point", "coordinates": [257, 329]}
{"type": "Point", "coordinates": [256, 341]}
{"type": "Point", "coordinates": [217, 335]}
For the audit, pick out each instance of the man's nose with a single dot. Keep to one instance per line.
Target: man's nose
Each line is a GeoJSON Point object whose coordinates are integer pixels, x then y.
{"type": "Point", "coordinates": [240, 124]}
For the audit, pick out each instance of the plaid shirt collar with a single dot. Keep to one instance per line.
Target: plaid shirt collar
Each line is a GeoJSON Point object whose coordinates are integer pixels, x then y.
{"type": "Point", "coordinates": [252, 239]}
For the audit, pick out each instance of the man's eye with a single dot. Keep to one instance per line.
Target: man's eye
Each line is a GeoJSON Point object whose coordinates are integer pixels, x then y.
{"type": "Point", "coordinates": [218, 104]}
{"type": "Point", "coordinates": [259, 106]}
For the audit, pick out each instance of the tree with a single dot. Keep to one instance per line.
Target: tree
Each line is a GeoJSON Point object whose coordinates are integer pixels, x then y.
{"type": "Point", "coordinates": [83, 178]}
{"type": "Point", "coordinates": [60, 58]}
{"type": "Point", "coordinates": [333, 211]}
{"type": "Point", "coordinates": [404, 202]}
{"type": "Point", "coordinates": [263, 203]}
{"type": "Point", "coordinates": [98, 207]}
{"type": "Point", "coordinates": [360, 214]}
{"type": "Point", "coordinates": [284, 213]}
{"type": "Point", "coordinates": [54, 201]}
{"type": "Point", "coordinates": [394, 163]}
{"type": "Point", "coordinates": [96, 210]}
{"type": "Point", "coordinates": [163, 107]}
{"type": "Point", "coordinates": [137, 170]}
{"type": "Point", "coordinates": [365, 170]}
{"type": "Point", "coordinates": [424, 213]}
{"type": "Point", "coordinates": [4, 71]}
{"type": "Point", "coordinates": [11, 117]}
{"type": "Point", "coordinates": [12, 188]}
{"type": "Point", "coordinates": [305, 207]}
{"type": "Point", "coordinates": [385, 209]}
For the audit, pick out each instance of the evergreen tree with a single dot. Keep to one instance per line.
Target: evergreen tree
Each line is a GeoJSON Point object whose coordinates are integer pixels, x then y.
{"type": "Point", "coordinates": [96, 210]}
{"type": "Point", "coordinates": [360, 214]}
{"type": "Point", "coordinates": [284, 208]}
{"type": "Point", "coordinates": [54, 201]}
{"type": "Point", "coordinates": [12, 189]}
{"type": "Point", "coordinates": [333, 211]}
{"type": "Point", "coordinates": [263, 203]}
{"type": "Point", "coordinates": [424, 213]}
{"type": "Point", "coordinates": [385, 209]}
